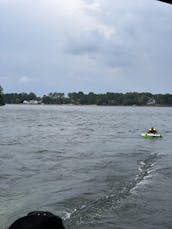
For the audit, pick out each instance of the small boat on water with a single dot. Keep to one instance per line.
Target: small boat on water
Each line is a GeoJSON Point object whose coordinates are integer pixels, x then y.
{"type": "Point", "coordinates": [151, 135]}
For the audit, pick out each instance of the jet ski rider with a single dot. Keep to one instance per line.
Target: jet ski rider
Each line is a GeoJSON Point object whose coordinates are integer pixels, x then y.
{"type": "Point", "coordinates": [152, 130]}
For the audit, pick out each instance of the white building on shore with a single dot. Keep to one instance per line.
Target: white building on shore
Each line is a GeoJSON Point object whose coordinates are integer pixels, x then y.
{"type": "Point", "coordinates": [32, 102]}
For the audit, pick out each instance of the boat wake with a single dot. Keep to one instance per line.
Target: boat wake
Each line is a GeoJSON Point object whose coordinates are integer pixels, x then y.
{"type": "Point", "coordinates": [89, 212]}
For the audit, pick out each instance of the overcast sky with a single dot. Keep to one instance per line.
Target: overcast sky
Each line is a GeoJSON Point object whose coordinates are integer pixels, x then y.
{"type": "Point", "coordinates": [85, 45]}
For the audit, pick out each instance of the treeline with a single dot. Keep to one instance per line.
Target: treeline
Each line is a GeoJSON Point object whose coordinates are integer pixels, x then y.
{"type": "Point", "coordinates": [79, 98]}
{"type": "Point", "coordinates": [2, 102]}
{"type": "Point", "coordinates": [17, 98]}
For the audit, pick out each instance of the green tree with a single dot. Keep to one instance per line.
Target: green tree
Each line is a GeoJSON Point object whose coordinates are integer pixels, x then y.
{"type": "Point", "coordinates": [165, 99]}
{"type": "Point", "coordinates": [32, 96]}
{"type": "Point", "coordinates": [77, 98]}
{"type": "Point", "coordinates": [16, 98]}
{"type": "Point", "coordinates": [1, 97]}
{"type": "Point", "coordinates": [91, 98]}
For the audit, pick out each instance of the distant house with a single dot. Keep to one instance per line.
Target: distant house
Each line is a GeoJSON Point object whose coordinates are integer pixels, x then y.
{"type": "Point", "coordinates": [34, 102]}
{"type": "Point", "coordinates": [151, 101]}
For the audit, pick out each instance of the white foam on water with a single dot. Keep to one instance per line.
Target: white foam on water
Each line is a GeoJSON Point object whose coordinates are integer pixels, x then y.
{"type": "Point", "coordinates": [146, 180]}
{"type": "Point", "coordinates": [67, 215]}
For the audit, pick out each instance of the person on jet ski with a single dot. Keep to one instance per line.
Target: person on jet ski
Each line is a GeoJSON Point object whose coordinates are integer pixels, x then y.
{"type": "Point", "coordinates": [152, 130]}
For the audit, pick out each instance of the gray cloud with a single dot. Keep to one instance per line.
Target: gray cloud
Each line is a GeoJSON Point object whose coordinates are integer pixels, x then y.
{"type": "Point", "coordinates": [88, 42]}
{"type": "Point", "coordinates": [87, 45]}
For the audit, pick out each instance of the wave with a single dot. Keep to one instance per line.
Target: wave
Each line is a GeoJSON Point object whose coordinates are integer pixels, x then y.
{"type": "Point", "coordinates": [90, 211]}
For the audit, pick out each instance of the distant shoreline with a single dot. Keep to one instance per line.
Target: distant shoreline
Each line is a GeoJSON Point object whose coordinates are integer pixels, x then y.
{"type": "Point", "coordinates": [79, 98]}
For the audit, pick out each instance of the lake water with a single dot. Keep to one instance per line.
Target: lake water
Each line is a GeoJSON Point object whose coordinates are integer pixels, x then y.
{"type": "Point", "coordinates": [87, 164]}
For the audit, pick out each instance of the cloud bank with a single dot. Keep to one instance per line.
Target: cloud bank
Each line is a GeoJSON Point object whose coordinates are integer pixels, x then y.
{"type": "Point", "coordinates": [85, 45]}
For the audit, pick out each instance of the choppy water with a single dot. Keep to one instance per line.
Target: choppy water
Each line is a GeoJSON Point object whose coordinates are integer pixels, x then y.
{"type": "Point", "coordinates": [87, 164]}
